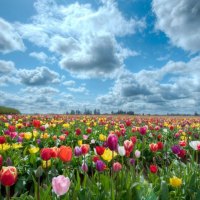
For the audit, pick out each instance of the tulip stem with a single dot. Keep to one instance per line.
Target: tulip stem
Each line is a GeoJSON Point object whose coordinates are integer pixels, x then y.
{"type": "Point", "coordinates": [7, 193]}
{"type": "Point", "coordinates": [38, 189]}
{"type": "Point", "coordinates": [112, 180]}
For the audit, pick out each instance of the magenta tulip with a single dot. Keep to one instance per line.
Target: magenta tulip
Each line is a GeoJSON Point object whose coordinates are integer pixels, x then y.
{"type": "Point", "coordinates": [112, 142]}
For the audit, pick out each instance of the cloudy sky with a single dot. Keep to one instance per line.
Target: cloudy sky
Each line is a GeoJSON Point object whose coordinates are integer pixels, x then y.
{"type": "Point", "coordinates": [140, 55]}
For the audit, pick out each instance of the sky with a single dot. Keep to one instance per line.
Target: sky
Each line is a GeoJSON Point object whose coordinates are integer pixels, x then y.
{"type": "Point", "coordinates": [132, 55]}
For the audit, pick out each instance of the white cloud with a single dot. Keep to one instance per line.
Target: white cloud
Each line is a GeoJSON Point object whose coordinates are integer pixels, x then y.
{"type": "Point", "coordinates": [9, 38]}
{"type": "Point", "coordinates": [38, 76]}
{"type": "Point", "coordinates": [69, 83]}
{"type": "Point", "coordinates": [180, 22]}
{"type": "Point", "coordinates": [87, 46]}
{"type": "Point", "coordinates": [80, 89]}
{"type": "Point", "coordinates": [41, 56]}
{"type": "Point", "coordinates": [146, 92]}
{"type": "Point", "coordinates": [6, 67]}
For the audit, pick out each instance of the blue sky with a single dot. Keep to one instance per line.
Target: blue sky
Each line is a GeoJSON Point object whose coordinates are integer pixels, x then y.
{"type": "Point", "coordinates": [135, 55]}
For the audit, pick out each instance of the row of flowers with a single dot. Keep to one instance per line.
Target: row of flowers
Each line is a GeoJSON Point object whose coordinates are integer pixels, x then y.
{"type": "Point", "coordinates": [64, 145]}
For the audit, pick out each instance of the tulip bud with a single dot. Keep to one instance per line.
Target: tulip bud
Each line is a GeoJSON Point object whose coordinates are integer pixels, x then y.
{"type": "Point", "coordinates": [8, 176]}
{"type": "Point", "coordinates": [39, 172]}
{"type": "Point", "coordinates": [9, 161]}
{"type": "Point", "coordinates": [84, 167]}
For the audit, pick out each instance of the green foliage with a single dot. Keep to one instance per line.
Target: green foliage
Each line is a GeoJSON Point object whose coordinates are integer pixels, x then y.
{"type": "Point", "coordinates": [7, 110]}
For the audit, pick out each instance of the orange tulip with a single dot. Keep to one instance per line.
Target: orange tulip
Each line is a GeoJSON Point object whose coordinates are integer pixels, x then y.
{"type": "Point", "coordinates": [65, 153]}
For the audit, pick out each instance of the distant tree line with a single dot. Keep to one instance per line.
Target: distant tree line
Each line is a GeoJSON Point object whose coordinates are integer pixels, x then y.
{"type": "Point", "coordinates": [85, 112]}
{"type": "Point", "coordinates": [8, 110]}
{"type": "Point", "coordinates": [97, 112]}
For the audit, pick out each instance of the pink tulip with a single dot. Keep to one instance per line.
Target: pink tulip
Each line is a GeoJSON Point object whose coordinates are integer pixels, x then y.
{"type": "Point", "coordinates": [137, 153]}
{"type": "Point", "coordinates": [116, 166]}
{"type": "Point", "coordinates": [60, 184]}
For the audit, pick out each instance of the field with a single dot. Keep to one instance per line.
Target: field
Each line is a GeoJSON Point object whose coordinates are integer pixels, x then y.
{"type": "Point", "coordinates": [99, 157]}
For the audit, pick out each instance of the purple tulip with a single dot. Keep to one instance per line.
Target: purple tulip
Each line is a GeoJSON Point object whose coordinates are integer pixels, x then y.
{"type": "Point", "coordinates": [77, 151]}
{"type": "Point", "coordinates": [132, 161]}
{"type": "Point", "coordinates": [112, 142]}
{"type": "Point", "coordinates": [38, 141]}
{"type": "Point", "coordinates": [100, 165]}
{"type": "Point", "coordinates": [176, 149]}
{"type": "Point", "coordinates": [9, 161]}
{"type": "Point", "coordinates": [7, 132]}
{"type": "Point", "coordinates": [84, 167]}
{"type": "Point", "coordinates": [19, 139]}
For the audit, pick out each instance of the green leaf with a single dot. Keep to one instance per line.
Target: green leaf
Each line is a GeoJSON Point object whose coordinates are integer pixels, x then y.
{"type": "Point", "coordinates": [164, 193]}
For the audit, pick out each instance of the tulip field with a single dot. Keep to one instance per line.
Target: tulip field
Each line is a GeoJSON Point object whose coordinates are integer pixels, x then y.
{"type": "Point", "coordinates": [77, 157]}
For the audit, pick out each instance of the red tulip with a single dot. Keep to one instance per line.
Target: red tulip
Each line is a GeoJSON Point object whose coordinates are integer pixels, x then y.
{"type": "Point", "coordinates": [89, 130]}
{"type": "Point", "coordinates": [100, 150]}
{"type": "Point", "coordinates": [11, 128]}
{"type": "Point", "coordinates": [128, 122]}
{"type": "Point", "coordinates": [160, 145]}
{"type": "Point", "coordinates": [65, 153]}
{"type": "Point", "coordinates": [78, 131]}
{"type": "Point", "coordinates": [182, 153]}
{"type": "Point", "coordinates": [85, 148]}
{"type": "Point", "coordinates": [153, 147]}
{"type": "Point", "coordinates": [2, 139]}
{"type": "Point", "coordinates": [36, 123]}
{"type": "Point", "coordinates": [128, 145]}
{"type": "Point", "coordinates": [46, 153]}
{"type": "Point", "coordinates": [8, 176]}
{"type": "Point", "coordinates": [153, 169]}
{"type": "Point", "coordinates": [112, 142]}
{"type": "Point", "coordinates": [133, 139]}
{"type": "Point", "coordinates": [95, 158]}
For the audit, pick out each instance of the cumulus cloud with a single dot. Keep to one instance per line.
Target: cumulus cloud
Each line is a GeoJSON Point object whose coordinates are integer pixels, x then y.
{"type": "Point", "coordinates": [6, 67]}
{"type": "Point", "coordinates": [179, 20]}
{"type": "Point", "coordinates": [69, 83]}
{"type": "Point", "coordinates": [146, 91]}
{"type": "Point", "coordinates": [80, 89]}
{"type": "Point", "coordinates": [38, 76]}
{"type": "Point", "coordinates": [39, 56]}
{"type": "Point", "coordinates": [88, 46]}
{"type": "Point", "coordinates": [10, 40]}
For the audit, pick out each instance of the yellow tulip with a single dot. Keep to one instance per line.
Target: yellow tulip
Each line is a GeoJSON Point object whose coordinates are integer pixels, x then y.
{"type": "Point", "coordinates": [175, 182]}
{"type": "Point", "coordinates": [4, 146]}
{"type": "Point", "coordinates": [33, 149]}
{"type": "Point", "coordinates": [108, 155]}
{"type": "Point", "coordinates": [28, 135]}
{"type": "Point", "coordinates": [65, 125]}
{"type": "Point", "coordinates": [17, 145]}
{"type": "Point", "coordinates": [46, 164]}
{"type": "Point", "coordinates": [80, 142]}
{"type": "Point", "coordinates": [35, 134]}
{"type": "Point", "coordinates": [102, 137]}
